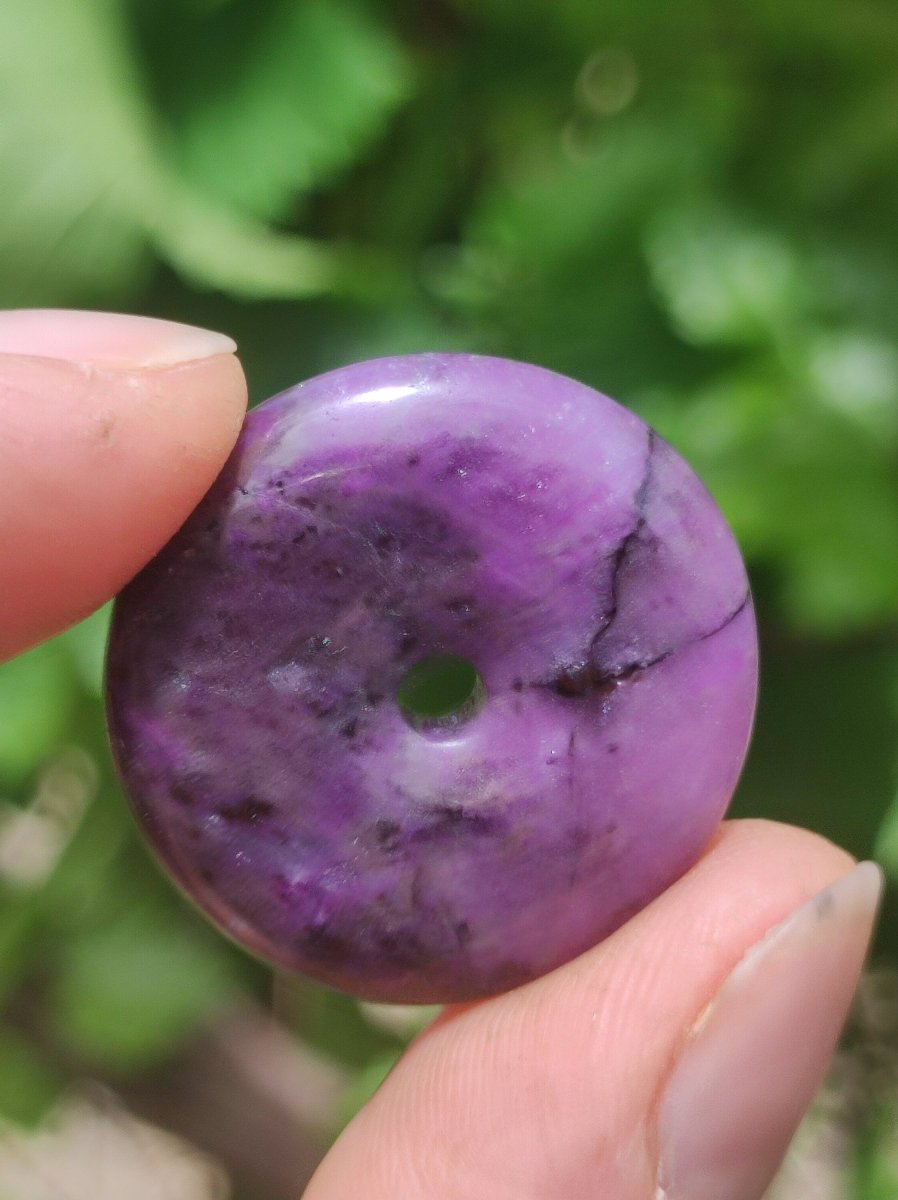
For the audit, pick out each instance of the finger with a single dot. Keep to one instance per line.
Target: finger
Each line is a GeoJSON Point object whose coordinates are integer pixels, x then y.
{"type": "Point", "coordinates": [112, 428]}
{"type": "Point", "coordinates": [612, 1076]}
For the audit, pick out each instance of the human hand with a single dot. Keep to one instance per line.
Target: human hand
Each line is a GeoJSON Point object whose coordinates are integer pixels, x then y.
{"type": "Point", "coordinates": [688, 1044]}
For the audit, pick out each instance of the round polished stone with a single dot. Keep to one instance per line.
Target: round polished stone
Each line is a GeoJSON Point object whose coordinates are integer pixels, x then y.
{"type": "Point", "coordinates": [451, 672]}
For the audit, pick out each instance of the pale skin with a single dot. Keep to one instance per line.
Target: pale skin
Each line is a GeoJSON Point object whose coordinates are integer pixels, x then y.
{"type": "Point", "coordinates": [550, 1092]}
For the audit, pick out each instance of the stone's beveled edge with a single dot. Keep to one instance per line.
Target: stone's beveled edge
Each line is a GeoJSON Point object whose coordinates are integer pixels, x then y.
{"type": "Point", "coordinates": [427, 374]}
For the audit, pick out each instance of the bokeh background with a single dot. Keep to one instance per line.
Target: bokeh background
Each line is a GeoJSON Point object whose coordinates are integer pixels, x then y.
{"type": "Point", "coordinates": [691, 207]}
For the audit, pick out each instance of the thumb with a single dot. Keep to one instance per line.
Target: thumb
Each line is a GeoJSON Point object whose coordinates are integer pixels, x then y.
{"type": "Point", "coordinates": [672, 1062]}
{"type": "Point", "coordinates": [111, 430]}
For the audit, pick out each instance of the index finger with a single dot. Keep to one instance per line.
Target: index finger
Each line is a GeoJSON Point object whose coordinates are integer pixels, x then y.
{"type": "Point", "coordinates": [112, 428]}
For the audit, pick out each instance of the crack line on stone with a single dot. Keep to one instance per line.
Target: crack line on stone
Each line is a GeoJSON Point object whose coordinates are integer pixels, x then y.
{"type": "Point", "coordinates": [728, 619]}
{"type": "Point", "coordinates": [591, 679]}
{"type": "Point", "coordinates": [571, 751]}
{"type": "Point", "coordinates": [622, 552]}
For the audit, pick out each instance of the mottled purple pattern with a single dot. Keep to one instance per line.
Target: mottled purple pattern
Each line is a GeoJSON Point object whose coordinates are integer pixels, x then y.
{"type": "Point", "coordinates": [372, 517]}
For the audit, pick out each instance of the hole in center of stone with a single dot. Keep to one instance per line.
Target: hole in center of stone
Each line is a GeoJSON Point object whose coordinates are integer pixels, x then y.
{"type": "Point", "coordinates": [440, 692]}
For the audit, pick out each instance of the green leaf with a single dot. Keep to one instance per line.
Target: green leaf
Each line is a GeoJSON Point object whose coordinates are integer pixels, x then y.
{"type": "Point", "coordinates": [833, 510]}
{"type": "Point", "coordinates": [365, 1084]}
{"type": "Point", "coordinates": [886, 848]}
{"type": "Point", "coordinates": [36, 696]}
{"type": "Point", "coordinates": [551, 269]}
{"type": "Point", "coordinates": [71, 154]}
{"type": "Point", "coordinates": [876, 1154]}
{"type": "Point", "coordinates": [804, 475]}
{"type": "Point", "coordinates": [87, 188]}
{"type": "Point", "coordinates": [334, 1024]}
{"type": "Point", "coordinates": [86, 644]}
{"type": "Point", "coordinates": [552, 207]}
{"type": "Point", "coordinates": [29, 1084]}
{"type": "Point", "coordinates": [285, 95]}
{"type": "Point", "coordinates": [823, 753]}
{"type": "Point", "coordinates": [854, 373]}
{"type": "Point", "coordinates": [132, 989]}
{"type": "Point", "coordinates": [218, 248]}
{"type": "Point", "coordinates": [84, 883]}
{"type": "Point", "coordinates": [723, 281]}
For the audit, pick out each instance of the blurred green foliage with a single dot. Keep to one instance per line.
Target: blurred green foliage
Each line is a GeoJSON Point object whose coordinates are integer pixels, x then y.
{"type": "Point", "coordinates": [688, 206]}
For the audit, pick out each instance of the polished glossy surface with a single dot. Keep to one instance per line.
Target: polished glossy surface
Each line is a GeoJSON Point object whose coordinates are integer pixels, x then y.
{"type": "Point", "coordinates": [369, 519]}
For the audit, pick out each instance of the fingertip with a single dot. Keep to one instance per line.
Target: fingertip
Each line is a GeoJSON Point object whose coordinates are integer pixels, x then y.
{"type": "Point", "coordinates": [195, 408]}
{"type": "Point", "coordinates": [102, 464]}
{"type": "Point", "coordinates": [794, 856]}
{"type": "Point", "coordinates": [119, 341]}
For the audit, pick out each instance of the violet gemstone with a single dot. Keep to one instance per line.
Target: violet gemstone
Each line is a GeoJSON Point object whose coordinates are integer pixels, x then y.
{"type": "Point", "coordinates": [373, 519]}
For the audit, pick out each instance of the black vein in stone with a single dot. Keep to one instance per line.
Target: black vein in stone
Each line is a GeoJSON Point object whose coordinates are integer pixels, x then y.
{"type": "Point", "coordinates": [590, 679]}
{"type": "Point", "coordinates": [585, 677]}
{"type": "Point", "coordinates": [571, 751]}
{"type": "Point", "coordinates": [624, 549]}
{"type": "Point", "coordinates": [630, 669]}
{"type": "Point", "coordinates": [728, 619]}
